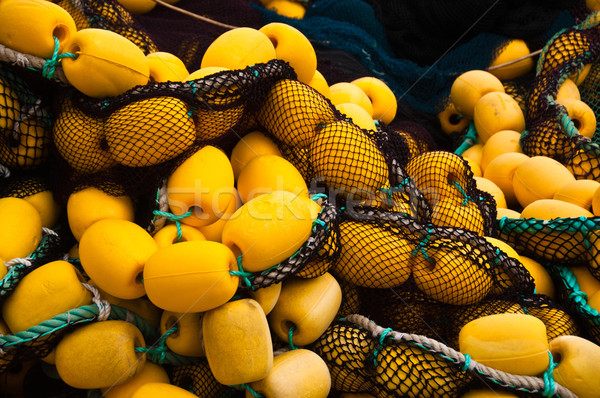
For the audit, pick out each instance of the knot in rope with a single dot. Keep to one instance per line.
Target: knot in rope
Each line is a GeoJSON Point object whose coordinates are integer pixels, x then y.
{"type": "Point", "coordinates": [243, 274]}
{"type": "Point", "coordinates": [158, 352]}
{"type": "Point", "coordinates": [174, 218]}
{"type": "Point", "coordinates": [51, 64]}
{"type": "Point", "coordinates": [380, 344]}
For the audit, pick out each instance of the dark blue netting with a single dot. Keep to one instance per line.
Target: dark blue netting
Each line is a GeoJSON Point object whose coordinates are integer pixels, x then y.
{"type": "Point", "coordinates": [352, 26]}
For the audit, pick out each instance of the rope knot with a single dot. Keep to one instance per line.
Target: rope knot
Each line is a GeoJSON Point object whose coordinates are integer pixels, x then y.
{"type": "Point", "coordinates": [51, 64]}
{"type": "Point", "coordinates": [174, 218]}
{"type": "Point", "coordinates": [380, 344]}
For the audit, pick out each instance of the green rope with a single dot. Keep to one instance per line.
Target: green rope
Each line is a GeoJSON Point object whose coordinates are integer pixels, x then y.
{"type": "Point", "coordinates": [380, 344]}
{"type": "Point", "coordinates": [549, 384]}
{"type": "Point", "coordinates": [469, 140]}
{"type": "Point", "coordinates": [577, 295]}
{"type": "Point", "coordinates": [243, 274]}
{"type": "Point", "coordinates": [51, 64]}
{"type": "Point", "coordinates": [176, 219]}
{"type": "Point", "coordinates": [161, 354]}
{"type": "Point", "coordinates": [75, 316]}
{"type": "Point", "coordinates": [290, 334]}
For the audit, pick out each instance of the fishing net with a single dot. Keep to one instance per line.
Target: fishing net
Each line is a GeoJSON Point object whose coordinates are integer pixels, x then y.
{"type": "Point", "coordinates": [551, 131]}
{"type": "Point", "coordinates": [575, 300]}
{"type": "Point", "coordinates": [365, 357]}
{"type": "Point", "coordinates": [25, 121]}
{"type": "Point", "coordinates": [567, 240]}
{"type": "Point", "coordinates": [371, 32]}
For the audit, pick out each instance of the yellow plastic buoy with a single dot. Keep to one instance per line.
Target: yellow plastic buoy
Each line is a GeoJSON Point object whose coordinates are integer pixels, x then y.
{"type": "Point", "coordinates": [184, 331]}
{"type": "Point", "coordinates": [306, 307]}
{"type": "Point", "coordinates": [451, 278]}
{"type": "Point", "coordinates": [296, 374]}
{"type": "Point", "coordinates": [165, 67]}
{"type": "Point", "coordinates": [502, 142]}
{"type": "Point", "coordinates": [31, 26]}
{"type": "Point", "coordinates": [495, 112]}
{"type": "Point", "coordinates": [45, 292]}
{"type": "Point", "coordinates": [106, 64]}
{"type": "Point", "coordinates": [150, 373]}
{"type": "Point", "coordinates": [251, 145]}
{"type": "Point", "coordinates": [541, 277]}
{"type": "Point", "coordinates": [202, 184]}
{"type": "Point", "coordinates": [267, 297]}
{"type": "Point", "coordinates": [468, 88]}
{"type": "Point", "coordinates": [357, 114]}
{"type": "Point", "coordinates": [344, 92]}
{"type": "Point", "coordinates": [513, 343]}
{"type": "Point", "coordinates": [100, 354]}
{"type": "Point", "coordinates": [86, 153]}
{"type": "Point", "coordinates": [578, 366]}
{"type": "Point", "coordinates": [88, 205]}
{"type": "Point", "coordinates": [582, 116]}
{"type": "Point", "coordinates": [539, 177]}
{"type": "Point", "coordinates": [237, 330]}
{"type": "Point", "coordinates": [348, 161]}
{"type": "Point", "coordinates": [191, 276]}
{"type": "Point", "coordinates": [501, 171]}
{"type": "Point", "coordinates": [511, 51]}
{"type": "Point", "coordinates": [21, 228]}
{"type": "Point", "coordinates": [547, 209]}
{"type": "Point", "coordinates": [149, 131]}
{"type": "Point", "coordinates": [487, 185]}
{"type": "Point", "coordinates": [238, 48]}
{"type": "Point", "coordinates": [578, 192]}
{"type": "Point", "coordinates": [292, 46]}
{"type": "Point", "coordinates": [268, 173]}
{"type": "Point", "coordinates": [269, 228]}
{"type": "Point", "coordinates": [319, 83]}
{"type": "Point", "coordinates": [382, 98]}
{"type": "Point", "coordinates": [161, 390]}
{"type": "Point", "coordinates": [113, 253]}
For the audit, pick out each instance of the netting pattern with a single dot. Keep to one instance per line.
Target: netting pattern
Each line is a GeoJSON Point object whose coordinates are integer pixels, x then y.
{"type": "Point", "coordinates": [24, 122]}
{"type": "Point", "coordinates": [568, 240]}
{"type": "Point", "coordinates": [551, 132]}
{"type": "Point", "coordinates": [198, 379]}
{"type": "Point", "coordinates": [575, 300]}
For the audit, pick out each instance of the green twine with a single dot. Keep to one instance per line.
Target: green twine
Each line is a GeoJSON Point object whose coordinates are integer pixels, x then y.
{"type": "Point", "coordinates": [51, 64]}
{"type": "Point", "coordinates": [578, 296]}
{"type": "Point", "coordinates": [467, 363]}
{"type": "Point", "coordinates": [422, 245]}
{"type": "Point", "coordinates": [249, 389]}
{"type": "Point", "coordinates": [549, 384]}
{"type": "Point", "coordinates": [173, 217]}
{"type": "Point", "coordinates": [158, 353]}
{"type": "Point", "coordinates": [469, 140]}
{"type": "Point", "coordinates": [318, 196]}
{"type": "Point", "coordinates": [380, 344]}
{"type": "Point", "coordinates": [290, 334]}
{"type": "Point", "coordinates": [568, 126]}
{"type": "Point", "coordinates": [466, 197]}
{"type": "Point", "coordinates": [243, 274]}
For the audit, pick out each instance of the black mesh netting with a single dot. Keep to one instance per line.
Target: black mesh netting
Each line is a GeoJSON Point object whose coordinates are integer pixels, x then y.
{"type": "Point", "coordinates": [25, 121]}
{"type": "Point", "coordinates": [571, 295]}
{"type": "Point", "coordinates": [551, 131]}
{"type": "Point", "coordinates": [366, 356]}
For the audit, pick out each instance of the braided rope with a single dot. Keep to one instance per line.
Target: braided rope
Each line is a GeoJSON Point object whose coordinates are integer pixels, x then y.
{"type": "Point", "coordinates": [30, 62]}
{"type": "Point", "coordinates": [522, 383]}
{"type": "Point", "coordinates": [576, 295]}
{"type": "Point", "coordinates": [469, 140]}
{"type": "Point", "coordinates": [162, 202]}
